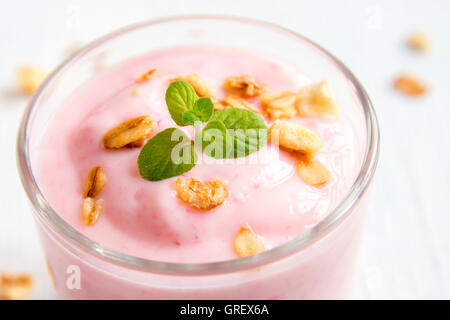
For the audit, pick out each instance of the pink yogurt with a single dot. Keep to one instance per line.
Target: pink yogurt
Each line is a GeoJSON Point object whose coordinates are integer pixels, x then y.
{"type": "Point", "coordinates": [146, 219]}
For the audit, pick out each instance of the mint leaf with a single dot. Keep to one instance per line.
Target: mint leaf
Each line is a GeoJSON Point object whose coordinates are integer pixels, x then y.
{"type": "Point", "coordinates": [247, 129]}
{"type": "Point", "coordinates": [168, 154]}
{"type": "Point", "coordinates": [216, 142]}
{"type": "Point", "coordinates": [189, 117]}
{"type": "Point", "coordinates": [180, 96]}
{"type": "Point", "coordinates": [203, 108]}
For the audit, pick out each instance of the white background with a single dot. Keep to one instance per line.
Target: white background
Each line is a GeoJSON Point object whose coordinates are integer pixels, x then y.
{"type": "Point", "coordinates": [405, 249]}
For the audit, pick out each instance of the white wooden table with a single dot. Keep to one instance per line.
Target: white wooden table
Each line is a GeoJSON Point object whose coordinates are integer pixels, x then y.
{"type": "Point", "coordinates": [406, 244]}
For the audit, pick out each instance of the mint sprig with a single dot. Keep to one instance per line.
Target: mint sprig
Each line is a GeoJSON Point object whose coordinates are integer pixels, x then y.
{"type": "Point", "coordinates": [201, 112]}
{"type": "Point", "coordinates": [185, 107]}
{"type": "Point", "coordinates": [216, 142]}
{"type": "Point", "coordinates": [229, 133]}
{"type": "Point", "coordinates": [247, 129]}
{"type": "Point", "coordinates": [180, 97]}
{"type": "Point", "coordinates": [168, 154]}
{"type": "Point", "coordinates": [190, 118]}
{"type": "Point", "coordinates": [203, 109]}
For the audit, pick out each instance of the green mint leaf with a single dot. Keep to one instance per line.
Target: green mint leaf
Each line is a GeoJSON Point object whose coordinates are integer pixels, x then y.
{"type": "Point", "coordinates": [216, 142]}
{"type": "Point", "coordinates": [190, 118]}
{"type": "Point", "coordinates": [168, 154]}
{"type": "Point", "coordinates": [180, 96]}
{"type": "Point", "coordinates": [247, 129]}
{"type": "Point", "coordinates": [203, 108]}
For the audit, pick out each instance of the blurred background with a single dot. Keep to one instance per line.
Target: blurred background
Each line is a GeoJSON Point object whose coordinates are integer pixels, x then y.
{"type": "Point", "coordinates": [405, 250]}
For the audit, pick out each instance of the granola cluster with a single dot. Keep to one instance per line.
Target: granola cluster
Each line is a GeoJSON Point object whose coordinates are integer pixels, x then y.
{"type": "Point", "coordinates": [248, 243]}
{"type": "Point", "coordinates": [93, 185]}
{"type": "Point", "coordinates": [131, 133]}
{"type": "Point", "coordinates": [313, 172]}
{"type": "Point", "coordinates": [201, 195]}
{"type": "Point", "coordinates": [296, 137]}
{"type": "Point", "coordinates": [245, 86]}
{"type": "Point", "coordinates": [233, 101]}
{"type": "Point", "coordinates": [15, 286]}
{"type": "Point", "coordinates": [92, 208]}
{"type": "Point", "coordinates": [30, 78]}
{"type": "Point", "coordinates": [147, 76]}
{"type": "Point", "coordinates": [95, 182]}
{"type": "Point", "coordinates": [410, 85]}
{"type": "Point", "coordinates": [279, 105]}
{"type": "Point", "coordinates": [419, 41]}
{"type": "Point", "coordinates": [201, 87]}
{"type": "Point", "coordinates": [315, 100]}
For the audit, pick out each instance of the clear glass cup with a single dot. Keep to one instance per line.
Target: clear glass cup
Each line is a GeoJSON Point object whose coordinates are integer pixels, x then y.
{"type": "Point", "coordinates": [316, 265]}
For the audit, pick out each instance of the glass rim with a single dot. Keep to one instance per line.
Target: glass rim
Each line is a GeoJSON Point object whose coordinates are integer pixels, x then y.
{"type": "Point", "coordinates": [73, 237]}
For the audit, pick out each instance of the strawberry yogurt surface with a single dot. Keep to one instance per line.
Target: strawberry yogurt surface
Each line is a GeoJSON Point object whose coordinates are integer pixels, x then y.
{"type": "Point", "coordinates": [146, 219]}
